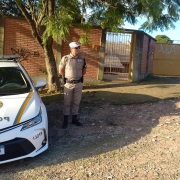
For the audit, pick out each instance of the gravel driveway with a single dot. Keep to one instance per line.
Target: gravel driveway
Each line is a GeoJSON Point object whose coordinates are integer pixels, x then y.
{"type": "Point", "coordinates": [139, 141]}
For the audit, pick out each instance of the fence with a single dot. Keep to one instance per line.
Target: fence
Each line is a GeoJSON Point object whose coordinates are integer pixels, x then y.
{"type": "Point", "coordinates": [117, 55]}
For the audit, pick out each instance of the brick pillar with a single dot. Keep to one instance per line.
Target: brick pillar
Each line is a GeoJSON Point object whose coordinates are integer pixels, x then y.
{"type": "Point", "coordinates": [1, 35]}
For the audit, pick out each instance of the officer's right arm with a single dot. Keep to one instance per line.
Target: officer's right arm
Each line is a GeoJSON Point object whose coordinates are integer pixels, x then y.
{"type": "Point", "coordinates": [62, 67]}
{"type": "Point", "coordinates": [62, 71]}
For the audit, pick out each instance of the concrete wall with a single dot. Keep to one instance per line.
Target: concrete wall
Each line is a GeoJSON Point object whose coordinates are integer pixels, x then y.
{"type": "Point", "coordinates": [137, 56]}
{"type": "Point", "coordinates": [166, 59]}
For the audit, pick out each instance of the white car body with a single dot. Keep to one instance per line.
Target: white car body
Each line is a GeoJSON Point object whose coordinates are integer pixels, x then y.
{"type": "Point", "coordinates": [23, 117]}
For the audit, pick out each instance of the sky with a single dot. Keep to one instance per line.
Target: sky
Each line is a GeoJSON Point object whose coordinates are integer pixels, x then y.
{"type": "Point", "coordinates": [173, 34]}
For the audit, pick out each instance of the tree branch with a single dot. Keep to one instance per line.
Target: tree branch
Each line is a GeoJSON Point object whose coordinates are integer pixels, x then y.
{"type": "Point", "coordinates": [31, 9]}
{"type": "Point", "coordinates": [83, 11]}
{"type": "Point", "coordinates": [42, 15]}
{"type": "Point", "coordinates": [30, 21]}
{"type": "Point", "coordinates": [51, 6]}
{"type": "Point", "coordinates": [106, 3]}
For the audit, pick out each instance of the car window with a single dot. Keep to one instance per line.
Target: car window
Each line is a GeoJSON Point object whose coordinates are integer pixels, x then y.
{"type": "Point", "coordinates": [13, 81]}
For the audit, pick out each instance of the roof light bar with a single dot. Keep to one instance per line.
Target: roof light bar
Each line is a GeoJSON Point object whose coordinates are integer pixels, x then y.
{"type": "Point", "coordinates": [9, 57]}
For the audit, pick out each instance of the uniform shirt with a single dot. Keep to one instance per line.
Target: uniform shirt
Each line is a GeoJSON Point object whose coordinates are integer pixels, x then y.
{"type": "Point", "coordinates": [73, 66]}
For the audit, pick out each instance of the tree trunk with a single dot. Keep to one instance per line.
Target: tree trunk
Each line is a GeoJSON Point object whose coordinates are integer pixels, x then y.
{"type": "Point", "coordinates": [53, 80]}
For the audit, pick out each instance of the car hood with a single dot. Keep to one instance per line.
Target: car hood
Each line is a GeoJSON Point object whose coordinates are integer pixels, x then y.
{"type": "Point", "coordinates": [16, 109]}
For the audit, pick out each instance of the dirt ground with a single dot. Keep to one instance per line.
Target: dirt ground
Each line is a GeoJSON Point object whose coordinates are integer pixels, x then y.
{"type": "Point", "coordinates": [131, 131]}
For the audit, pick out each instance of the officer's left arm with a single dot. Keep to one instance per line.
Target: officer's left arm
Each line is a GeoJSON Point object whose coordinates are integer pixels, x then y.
{"type": "Point", "coordinates": [84, 71]}
{"type": "Point", "coordinates": [84, 68]}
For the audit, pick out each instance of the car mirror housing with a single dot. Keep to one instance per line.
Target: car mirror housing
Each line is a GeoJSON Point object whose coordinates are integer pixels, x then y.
{"type": "Point", "coordinates": [40, 84]}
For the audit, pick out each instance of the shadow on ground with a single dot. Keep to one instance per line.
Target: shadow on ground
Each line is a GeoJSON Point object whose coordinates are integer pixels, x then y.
{"type": "Point", "coordinates": [106, 128]}
{"type": "Point", "coordinates": [156, 80]}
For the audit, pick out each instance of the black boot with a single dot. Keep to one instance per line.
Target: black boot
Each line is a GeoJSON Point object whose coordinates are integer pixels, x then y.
{"type": "Point", "coordinates": [75, 121]}
{"type": "Point", "coordinates": [65, 122]}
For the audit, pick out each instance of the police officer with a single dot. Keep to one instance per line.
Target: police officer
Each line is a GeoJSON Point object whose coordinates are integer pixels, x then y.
{"type": "Point", "coordinates": [72, 67]}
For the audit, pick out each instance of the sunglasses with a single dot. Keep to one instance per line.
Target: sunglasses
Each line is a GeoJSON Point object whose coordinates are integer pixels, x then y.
{"type": "Point", "coordinates": [77, 47]}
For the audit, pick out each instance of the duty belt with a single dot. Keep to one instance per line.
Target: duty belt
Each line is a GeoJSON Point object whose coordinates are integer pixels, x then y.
{"type": "Point", "coordinates": [73, 81]}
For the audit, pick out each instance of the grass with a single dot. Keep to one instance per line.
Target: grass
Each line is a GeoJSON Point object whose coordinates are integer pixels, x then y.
{"type": "Point", "coordinates": [119, 93]}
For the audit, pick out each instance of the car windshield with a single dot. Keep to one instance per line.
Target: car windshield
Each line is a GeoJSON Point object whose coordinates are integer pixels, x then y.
{"type": "Point", "coordinates": [13, 81]}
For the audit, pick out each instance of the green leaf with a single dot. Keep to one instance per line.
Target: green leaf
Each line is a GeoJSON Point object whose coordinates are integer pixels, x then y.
{"type": "Point", "coordinates": [84, 39]}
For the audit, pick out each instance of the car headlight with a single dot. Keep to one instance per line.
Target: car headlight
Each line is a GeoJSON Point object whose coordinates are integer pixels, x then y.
{"type": "Point", "coordinates": [36, 120]}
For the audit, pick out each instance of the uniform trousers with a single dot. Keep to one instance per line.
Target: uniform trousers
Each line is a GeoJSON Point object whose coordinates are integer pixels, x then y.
{"type": "Point", "coordinates": [72, 98]}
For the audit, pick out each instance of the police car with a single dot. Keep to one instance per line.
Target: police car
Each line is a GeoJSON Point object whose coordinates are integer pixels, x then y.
{"type": "Point", "coordinates": [23, 116]}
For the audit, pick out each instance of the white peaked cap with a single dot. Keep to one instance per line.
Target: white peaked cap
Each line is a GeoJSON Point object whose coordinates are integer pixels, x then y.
{"type": "Point", "coordinates": [74, 44]}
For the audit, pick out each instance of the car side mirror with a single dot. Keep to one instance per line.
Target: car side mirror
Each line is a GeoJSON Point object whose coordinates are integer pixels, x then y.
{"type": "Point", "coordinates": [40, 84]}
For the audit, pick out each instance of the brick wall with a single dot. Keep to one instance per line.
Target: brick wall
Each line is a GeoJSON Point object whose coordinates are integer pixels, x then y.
{"type": "Point", "coordinates": [18, 39]}
{"type": "Point", "coordinates": [91, 55]}
{"type": "Point", "coordinates": [144, 54]}
{"type": "Point", "coordinates": [147, 54]}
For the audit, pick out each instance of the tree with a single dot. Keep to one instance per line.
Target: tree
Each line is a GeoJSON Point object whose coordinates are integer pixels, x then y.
{"type": "Point", "coordinates": [163, 39]}
{"type": "Point", "coordinates": [50, 18]}
{"type": "Point", "coordinates": [160, 14]}
{"type": "Point", "coordinates": [9, 8]}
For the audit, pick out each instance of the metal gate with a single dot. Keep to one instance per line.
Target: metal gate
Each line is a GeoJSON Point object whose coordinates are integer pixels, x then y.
{"type": "Point", "coordinates": [117, 56]}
